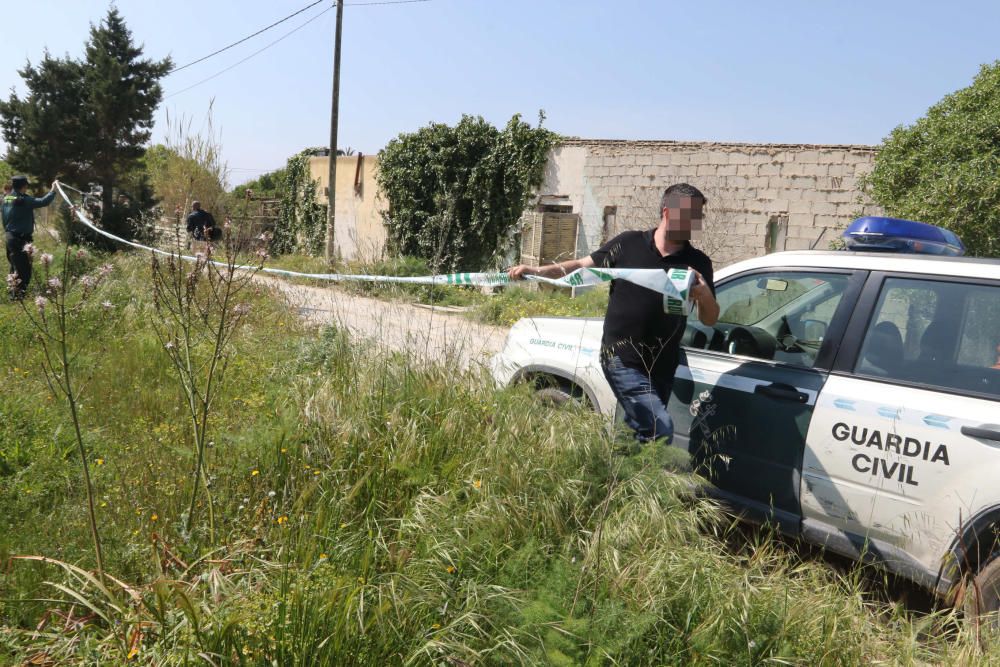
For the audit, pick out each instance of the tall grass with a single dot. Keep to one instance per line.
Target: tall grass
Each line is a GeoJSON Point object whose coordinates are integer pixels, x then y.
{"type": "Point", "coordinates": [373, 510]}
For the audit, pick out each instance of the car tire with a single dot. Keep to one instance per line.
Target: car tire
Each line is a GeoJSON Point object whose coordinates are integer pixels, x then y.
{"type": "Point", "coordinates": [982, 596]}
{"type": "Point", "coordinates": [554, 397]}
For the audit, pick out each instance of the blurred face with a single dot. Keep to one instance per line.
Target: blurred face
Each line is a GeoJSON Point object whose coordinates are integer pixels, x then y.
{"type": "Point", "coordinates": [683, 216]}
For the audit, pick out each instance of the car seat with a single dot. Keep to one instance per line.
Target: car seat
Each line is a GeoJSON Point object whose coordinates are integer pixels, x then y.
{"type": "Point", "coordinates": [883, 351]}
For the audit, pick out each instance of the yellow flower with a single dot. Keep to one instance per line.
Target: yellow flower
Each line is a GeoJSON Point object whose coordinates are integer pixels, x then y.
{"type": "Point", "coordinates": [478, 484]}
{"type": "Point", "coordinates": [154, 518]}
{"type": "Point", "coordinates": [343, 525]}
{"type": "Point", "coordinates": [436, 626]}
{"type": "Point", "coordinates": [315, 472]}
{"type": "Point", "coordinates": [254, 473]}
{"type": "Point", "coordinates": [284, 450]}
{"type": "Point", "coordinates": [322, 556]}
{"type": "Point", "coordinates": [134, 653]}
{"type": "Point", "coordinates": [100, 462]}
{"type": "Point", "coordinates": [282, 519]}
{"type": "Point", "coordinates": [451, 569]}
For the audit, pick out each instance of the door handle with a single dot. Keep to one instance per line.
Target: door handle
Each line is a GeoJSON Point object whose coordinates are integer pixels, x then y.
{"type": "Point", "coordinates": [783, 392]}
{"type": "Point", "coordinates": [982, 432]}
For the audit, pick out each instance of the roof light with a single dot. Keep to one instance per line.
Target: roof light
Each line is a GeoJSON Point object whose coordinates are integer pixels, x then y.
{"type": "Point", "coordinates": [878, 234]}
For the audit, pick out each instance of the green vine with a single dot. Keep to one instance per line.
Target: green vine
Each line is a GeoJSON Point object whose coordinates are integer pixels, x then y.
{"type": "Point", "coordinates": [455, 194]}
{"type": "Point", "coordinates": [301, 219]}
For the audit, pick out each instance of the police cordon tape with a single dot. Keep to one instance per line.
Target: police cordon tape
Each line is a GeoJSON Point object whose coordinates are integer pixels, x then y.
{"type": "Point", "coordinates": [674, 283]}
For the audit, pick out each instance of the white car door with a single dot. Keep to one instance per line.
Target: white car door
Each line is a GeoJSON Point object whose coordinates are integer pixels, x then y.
{"type": "Point", "coordinates": [904, 445]}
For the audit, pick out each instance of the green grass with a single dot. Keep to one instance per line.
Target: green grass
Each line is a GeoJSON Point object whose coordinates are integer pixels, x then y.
{"type": "Point", "coordinates": [374, 511]}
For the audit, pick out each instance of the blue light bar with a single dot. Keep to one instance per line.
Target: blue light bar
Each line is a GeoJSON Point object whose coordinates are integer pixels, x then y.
{"type": "Point", "coordinates": [878, 234]}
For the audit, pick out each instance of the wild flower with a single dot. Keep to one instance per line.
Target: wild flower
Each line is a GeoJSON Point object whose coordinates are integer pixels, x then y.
{"type": "Point", "coordinates": [82, 254]}
{"type": "Point", "coordinates": [40, 301]}
{"type": "Point", "coordinates": [282, 520]}
{"type": "Point", "coordinates": [46, 259]}
{"type": "Point", "coordinates": [241, 308]}
{"type": "Point", "coordinates": [451, 569]}
{"type": "Point", "coordinates": [270, 494]}
{"type": "Point", "coordinates": [12, 280]}
{"type": "Point", "coordinates": [89, 282]}
{"type": "Point", "coordinates": [54, 283]}
{"type": "Point", "coordinates": [169, 345]}
{"type": "Point", "coordinates": [154, 518]}
{"type": "Point", "coordinates": [478, 484]}
{"type": "Point", "coordinates": [29, 249]}
{"type": "Point", "coordinates": [107, 305]}
{"type": "Point", "coordinates": [105, 270]}
{"type": "Point", "coordinates": [254, 473]}
{"type": "Point", "coordinates": [100, 462]}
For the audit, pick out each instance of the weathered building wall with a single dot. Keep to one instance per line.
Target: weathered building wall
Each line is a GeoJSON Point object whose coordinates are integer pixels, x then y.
{"type": "Point", "coordinates": [358, 230]}
{"type": "Point", "coordinates": [762, 197]}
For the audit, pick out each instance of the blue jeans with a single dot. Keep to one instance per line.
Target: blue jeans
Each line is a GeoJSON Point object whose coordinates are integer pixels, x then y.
{"type": "Point", "coordinates": [644, 400]}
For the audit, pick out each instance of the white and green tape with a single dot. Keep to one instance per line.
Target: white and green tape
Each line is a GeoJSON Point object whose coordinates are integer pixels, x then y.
{"type": "Point", "coordinates": [674, 284]}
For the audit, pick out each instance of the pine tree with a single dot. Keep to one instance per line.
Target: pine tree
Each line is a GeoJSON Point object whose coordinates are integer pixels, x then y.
{"type": "Point", "coordinates": [87, 121]}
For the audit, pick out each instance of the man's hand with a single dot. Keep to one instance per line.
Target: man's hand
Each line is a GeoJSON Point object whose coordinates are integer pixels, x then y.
{"type": "Point", "coordinates": [708, 307]}
{"type": "Point", "coordinates": [520, 271]}
{"type": "Point", "coordinates": [53, 185]}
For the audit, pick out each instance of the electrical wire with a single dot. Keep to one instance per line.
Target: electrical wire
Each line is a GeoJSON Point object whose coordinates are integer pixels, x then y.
{"type": "Point", "coordinates": [240, 62]}
{"type": "Point", "coordinates": [280, 21]}
{"type": "Point", "coordinates": [226, 48]}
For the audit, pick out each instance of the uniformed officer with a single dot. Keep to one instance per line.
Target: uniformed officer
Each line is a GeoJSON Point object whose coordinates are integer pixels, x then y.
{"type": "Point", "coordinates": [18, 213]}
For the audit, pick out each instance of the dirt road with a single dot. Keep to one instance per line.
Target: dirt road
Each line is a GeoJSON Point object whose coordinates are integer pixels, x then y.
{"type": "Point", "coordinates": [429, 334]}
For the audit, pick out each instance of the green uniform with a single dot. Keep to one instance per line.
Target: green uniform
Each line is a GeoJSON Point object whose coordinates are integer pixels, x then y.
{"type": "Point", "coordinates": [18, 214]}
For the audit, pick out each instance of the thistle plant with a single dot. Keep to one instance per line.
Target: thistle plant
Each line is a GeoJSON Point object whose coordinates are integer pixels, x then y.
{"type": "Point", "coordinates": [199, 306]}
{"type": "Point", "coordinates": [67, 291]}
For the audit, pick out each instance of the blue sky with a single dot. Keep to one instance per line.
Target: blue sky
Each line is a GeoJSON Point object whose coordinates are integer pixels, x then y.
{"type": "Point", "coordinates": [799, 72]}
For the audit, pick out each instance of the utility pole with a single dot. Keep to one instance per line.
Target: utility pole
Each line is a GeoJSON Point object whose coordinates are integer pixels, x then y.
{"type": "Point", "coordinates": [331, 250]}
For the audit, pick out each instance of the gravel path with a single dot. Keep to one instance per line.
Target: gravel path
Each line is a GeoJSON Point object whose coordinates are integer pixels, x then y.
{"type": "Point", "coordinates": [431, 334]}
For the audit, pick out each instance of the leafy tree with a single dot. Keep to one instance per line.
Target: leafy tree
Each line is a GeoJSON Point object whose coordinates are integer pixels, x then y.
{"type": "Point", "coordinates": [6, 172]}
{"type": "Point", "coordinates": [266, 186]}
{"type": "Point", "coordinates": [456, 193]}
{"type": "Point", "coordinates": [945, 168]}
{"type": "Point", "coordinates": [86, 120]}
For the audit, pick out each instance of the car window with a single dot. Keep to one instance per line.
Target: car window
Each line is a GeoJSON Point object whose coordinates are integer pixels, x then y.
{"type": "Point", "coordinates": [937, 333]}
{"type": "Point", "coordinates": [781, 316]}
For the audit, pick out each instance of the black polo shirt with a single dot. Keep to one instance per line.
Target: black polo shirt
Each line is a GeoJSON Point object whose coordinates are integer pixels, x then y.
{"type": "Point", "coordinates": [635, 328]}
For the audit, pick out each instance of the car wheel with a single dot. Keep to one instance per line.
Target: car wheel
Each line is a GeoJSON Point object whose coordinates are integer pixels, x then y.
{"type": "Point", "coordinates": [982, 597]}
{"type": "Point", "coordinates": [554, 396]}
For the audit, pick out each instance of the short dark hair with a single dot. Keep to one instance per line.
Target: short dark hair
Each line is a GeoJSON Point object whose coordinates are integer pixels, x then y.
{"type": "Point", "coordinates": [682, 190]}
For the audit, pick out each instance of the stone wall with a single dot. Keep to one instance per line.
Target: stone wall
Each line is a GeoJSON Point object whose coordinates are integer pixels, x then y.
{"type": "Point", "coordinates": [762, 197]}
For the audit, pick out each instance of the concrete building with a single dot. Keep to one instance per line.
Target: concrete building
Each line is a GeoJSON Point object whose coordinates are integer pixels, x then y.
{"type": "Point", "coordinates": [358, 230]}
{"type": "Point", "coordinates": [762, 197]}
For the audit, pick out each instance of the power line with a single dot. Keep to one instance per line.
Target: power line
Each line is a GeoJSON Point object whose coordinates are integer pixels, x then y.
{"type": "Point", "coordinates": [226, 48]}
{"type": "Point", "coordinates": [279, 22]}
{"type": "Point", "coordinates": [382, 2]}
{"type": "Point", "coordinates": [240, 62]}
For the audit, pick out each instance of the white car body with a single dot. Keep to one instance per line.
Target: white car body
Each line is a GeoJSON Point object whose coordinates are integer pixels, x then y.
{"type": "Point", "coordinates": [869, 460]}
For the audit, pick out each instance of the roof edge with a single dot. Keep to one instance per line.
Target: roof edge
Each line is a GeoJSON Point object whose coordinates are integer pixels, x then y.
{"type": "Point", "coordinates": [667, 143]}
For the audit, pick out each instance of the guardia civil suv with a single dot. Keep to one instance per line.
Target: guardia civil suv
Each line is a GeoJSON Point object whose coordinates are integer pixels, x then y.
{"type": "Point", "coordinates": [852, 398]}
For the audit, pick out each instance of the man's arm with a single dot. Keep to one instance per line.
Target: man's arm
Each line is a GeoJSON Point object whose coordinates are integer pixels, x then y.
{"type": "Point", "coordinates": [40, 202]}
{"type": "Point", "coordinates": [701, 295]}
{"type": "Point", "coordinates": [550, 270]}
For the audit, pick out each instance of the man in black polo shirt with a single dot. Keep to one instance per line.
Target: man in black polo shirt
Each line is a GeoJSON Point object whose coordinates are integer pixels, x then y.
{"type": "Point", "coordinates": [641, 343]}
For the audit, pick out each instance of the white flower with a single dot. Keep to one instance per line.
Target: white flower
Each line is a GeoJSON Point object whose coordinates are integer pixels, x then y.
{"type": "Point", "coordinates": [82, 254]}
{"type": "Point", "coordinates": [89, 282]}
{"type": "Point", "coordinates": [46, 258]}
{"type": "Point", "coordinates": [30, 249]}
{"type": "Point", "coordinates": [169, 345]}
{"type": "Point", "coordinates": [242, 308]}
{"type": "Point", "coordinates": [105, 270]}
{"type": "Point", "coordinates": [12, 280]}
{"type": "Point", "coordinates": [54, 282]}
{"type": "Point", "coordinates": [40, 301]}
{"type": "Point", "coordinates": [106, 305]}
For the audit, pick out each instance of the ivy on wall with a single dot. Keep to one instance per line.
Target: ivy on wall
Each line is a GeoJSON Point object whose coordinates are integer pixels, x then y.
{"type": "Point", "coordinates": [301, 225]}
{"type": "Point", "coordinates": [456, 193]}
